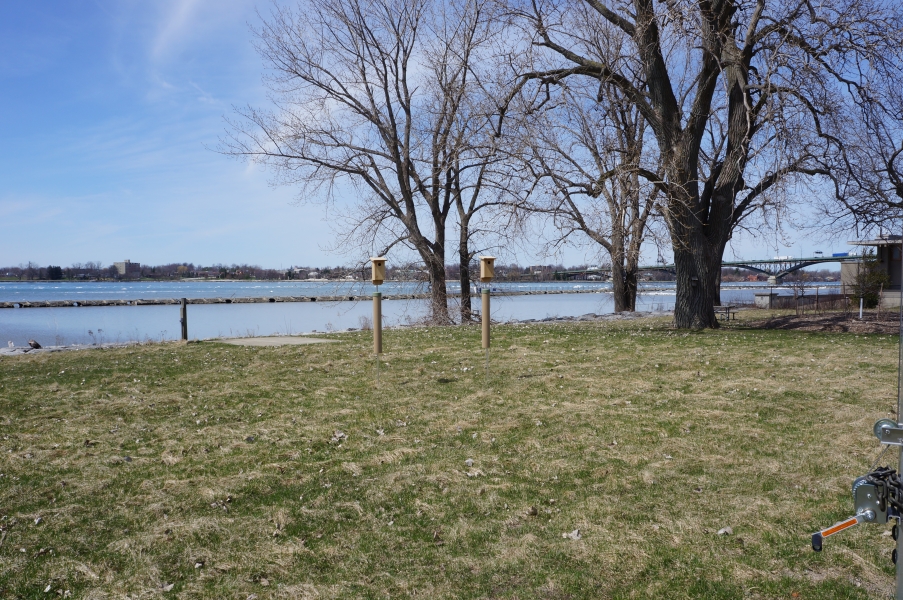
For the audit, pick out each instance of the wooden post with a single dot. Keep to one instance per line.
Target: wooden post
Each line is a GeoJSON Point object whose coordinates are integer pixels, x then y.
{"type": "Point", "coordinates": [485, 315]}
{"type": "Point", "coordinates": [377, 323]}
{"type": "Point", "coordinates": [184, 319]}
{"type": "Point", "coordinates": [487, 273]}
{"type": "Point", "coordinates": [378, 275]}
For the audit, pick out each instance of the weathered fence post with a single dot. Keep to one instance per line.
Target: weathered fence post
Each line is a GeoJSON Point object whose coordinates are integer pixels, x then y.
{"type": "Point", "coordinates": [378, 275]}
{"type": "Point", "coordinates": [184, 319]}
{"type": "Point", "coordinates": [377, 323]}
{"type": "Point", "coordinates": [487, 272]}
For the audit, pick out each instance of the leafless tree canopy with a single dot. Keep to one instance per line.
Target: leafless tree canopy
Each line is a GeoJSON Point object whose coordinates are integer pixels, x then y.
{"type": "Point", "coordinates": [586, 148]}
{"type": "Point", "coordinates": [735, 94]}
{"type": "Point", "coordinates": [710, 109]}
{"type": "Point", "coordinates": [868, 174]}
{"type": "Point", "coordinates": [383, 98]}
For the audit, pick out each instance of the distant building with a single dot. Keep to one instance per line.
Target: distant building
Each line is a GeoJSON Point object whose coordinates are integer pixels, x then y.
{"type": "Point", "coordinates": [127, 268]}
{"type": "Point", "coordinates": [887, 252]}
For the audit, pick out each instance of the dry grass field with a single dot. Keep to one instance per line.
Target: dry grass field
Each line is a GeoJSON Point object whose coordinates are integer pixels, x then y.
{"type": "Point", "coordinates": [596, 460]}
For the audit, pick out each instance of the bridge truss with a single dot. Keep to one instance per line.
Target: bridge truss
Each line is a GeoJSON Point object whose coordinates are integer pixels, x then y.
{"type": "Point", "coordinates": [775, 268]}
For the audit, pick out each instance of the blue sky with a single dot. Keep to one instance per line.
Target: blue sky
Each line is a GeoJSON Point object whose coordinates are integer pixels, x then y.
{"type": "Point", "coordinates": [108, 111]}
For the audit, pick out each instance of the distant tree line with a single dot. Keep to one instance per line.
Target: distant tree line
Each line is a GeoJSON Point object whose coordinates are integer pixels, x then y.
{"type": "Point", "coordinates": [97, 271]}
{"type": "Point", "coordinates": [410, 271]}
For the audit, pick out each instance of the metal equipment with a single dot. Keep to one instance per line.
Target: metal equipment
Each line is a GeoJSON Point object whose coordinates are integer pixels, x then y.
{"type": "Point", "coordinates": [877, 498]}
{"type": "Point", "coordinates": [878, 495]}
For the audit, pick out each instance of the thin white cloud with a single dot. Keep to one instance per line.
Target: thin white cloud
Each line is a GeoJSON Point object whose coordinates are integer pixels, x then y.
{"type": "Point", "coordinates": [174, 26]}
{"type": "Point", "coordinates": [205, 96]}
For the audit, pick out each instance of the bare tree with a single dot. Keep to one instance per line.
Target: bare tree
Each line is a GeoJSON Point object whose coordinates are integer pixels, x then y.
{"type": "Point", "coordinates": [490, 199]}
{"type": "Point", "coordinates": [868, 175]}
{"type": "Point", "coordinates": [590, 155]}
{"type": "Point", "coordinates": [377, 98]}
{"type": "Point", "coordinates": [485, 192]}
{"type": "Point", "coordinates": [734, 93]}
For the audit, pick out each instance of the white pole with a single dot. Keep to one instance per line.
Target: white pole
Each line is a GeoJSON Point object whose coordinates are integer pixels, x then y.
{"type": "Point", "coordinates": [860, 308]}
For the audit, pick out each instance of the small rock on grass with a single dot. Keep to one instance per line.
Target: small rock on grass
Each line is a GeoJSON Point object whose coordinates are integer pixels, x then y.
{"type": "Point", "coordinates": [168, 587]}
{"type": "Point", "coordinates": [574, 535]}
{"type": "Point", "coordinates": [725, 531]}
{"type": "Point", "coordinates": [469, 462]}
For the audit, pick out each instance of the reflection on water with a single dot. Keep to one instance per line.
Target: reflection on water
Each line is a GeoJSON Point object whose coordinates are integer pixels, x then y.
{"type": "Point", "coordinates": [86, 325]}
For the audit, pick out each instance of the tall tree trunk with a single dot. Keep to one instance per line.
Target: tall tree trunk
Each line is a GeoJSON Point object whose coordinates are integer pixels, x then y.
{"type": "Point", "coordinates": [624, 286]}
{"type": "Point", "coordinates": [433, 255]}
{"type": "Point", "coordinates": [618, 274]}
{"type": "Point", "coordinates": [632, 267]}
{"type": "Point", "coordinates": [618, 287]}
{"type": "Point", "coordinates": [630, 288]}
{"type": "Point", "coordinates": [438, 292]}
{"type": "Point", "coordinates": [464, 273]}
{"type": "Point", "coordinates": [698, 266]}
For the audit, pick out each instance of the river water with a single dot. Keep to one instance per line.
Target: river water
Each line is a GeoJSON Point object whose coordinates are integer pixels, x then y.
{"type": "Point", "coordinates": [100, 324]}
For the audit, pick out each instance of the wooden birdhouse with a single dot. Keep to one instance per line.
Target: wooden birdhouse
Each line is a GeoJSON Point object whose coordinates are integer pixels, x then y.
{"type": "Point", "coordinates": [379, 269]}
{"type": "Point", "coordinates": [487, 268]}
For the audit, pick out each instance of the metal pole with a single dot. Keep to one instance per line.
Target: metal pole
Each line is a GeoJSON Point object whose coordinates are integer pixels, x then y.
{"type": "Point", "coordinates": [184, 319]}
{"type": "Point", "coordinates": [899, 551]}
{"type": "Point", "coordinates": [899, 413]}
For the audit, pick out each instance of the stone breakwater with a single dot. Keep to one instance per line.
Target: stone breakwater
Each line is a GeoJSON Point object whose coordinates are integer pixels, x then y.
{"type": "Point", "coordinates": [265, 299]}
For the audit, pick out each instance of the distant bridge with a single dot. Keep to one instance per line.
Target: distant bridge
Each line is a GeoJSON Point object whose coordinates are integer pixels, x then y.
{"type": "Point", "coordinates": [775, 268]}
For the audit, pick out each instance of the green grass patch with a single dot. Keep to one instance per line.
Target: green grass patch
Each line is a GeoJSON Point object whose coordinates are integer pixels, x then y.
{"type": "Point", "coordinates": [215, 471]}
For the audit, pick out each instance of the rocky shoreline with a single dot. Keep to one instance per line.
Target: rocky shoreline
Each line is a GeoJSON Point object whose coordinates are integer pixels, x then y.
{"type": "Point", "coordinates": [20, 350]}
{"type": "Point", "coordinates": [266, 299]}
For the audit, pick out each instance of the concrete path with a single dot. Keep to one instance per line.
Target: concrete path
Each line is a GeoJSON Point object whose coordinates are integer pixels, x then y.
{"type": "Point", "coordinates": [282, 340]}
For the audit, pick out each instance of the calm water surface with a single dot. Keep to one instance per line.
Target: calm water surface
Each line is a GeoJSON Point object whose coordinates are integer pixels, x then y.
{"type": "Point", "coordinates": [85, 325]}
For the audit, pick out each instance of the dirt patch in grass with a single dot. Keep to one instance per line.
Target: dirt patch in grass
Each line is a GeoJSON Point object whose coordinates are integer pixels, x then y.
{"type": "Point", "coordinates": [596, 460]}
